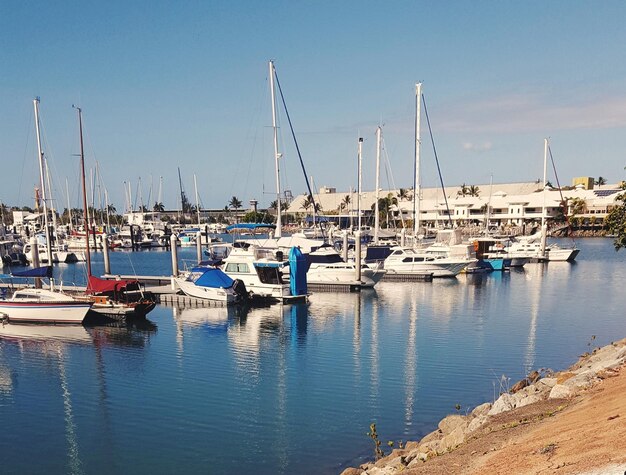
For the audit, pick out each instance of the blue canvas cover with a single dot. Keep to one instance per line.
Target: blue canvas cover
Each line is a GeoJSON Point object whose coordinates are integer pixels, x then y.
{"type": "Point", "coordinates": [298, 267]}
{"type": "Point", "coordinates": [212, 277]}
{"type": "Point", "coordinates": [45, 271]}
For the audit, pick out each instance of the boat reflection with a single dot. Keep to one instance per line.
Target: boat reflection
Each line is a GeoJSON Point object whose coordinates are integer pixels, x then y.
{"type": "Point", "coordinates": [45, 334]}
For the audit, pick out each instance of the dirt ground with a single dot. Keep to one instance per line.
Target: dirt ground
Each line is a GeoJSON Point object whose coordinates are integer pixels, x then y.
{"type": "Point", "coordinates": [586, 434]}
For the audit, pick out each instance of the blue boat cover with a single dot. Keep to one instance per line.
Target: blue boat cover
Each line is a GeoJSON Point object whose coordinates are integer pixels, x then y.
{"type": "Point", "coordinates": [298, 267]}
{"type": "Point", "coordinates": [45, 271]}
{"type": "Point", "coordinates": [212, 277]}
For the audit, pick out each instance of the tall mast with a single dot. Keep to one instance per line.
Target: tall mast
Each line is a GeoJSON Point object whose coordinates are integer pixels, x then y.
{"type": "Point", "coordinates": [69, 209]}
{"type": "Point", "coordinates": [159, 200]}
{"type": "Point", "coordinates": [195, 185]}
{"type": "Point", "coordinates": [84, 186]}
{"type": "Point", "coordinates": [42, 181]}
{"type": "Point", "coordinates": [488, 213]}
{"type": "Point", "coordinates": [377, 194]}
{"type": "Point", "coordinates": [358, 196]}
{"type": "Point", "coordinates": [417, 187]}
{"type": "Point", "coordinates": [277, 155]}
{"type": "Point", "coordinates": [544, 225]}
{"type": "Point", "coordinates": [52, 207]}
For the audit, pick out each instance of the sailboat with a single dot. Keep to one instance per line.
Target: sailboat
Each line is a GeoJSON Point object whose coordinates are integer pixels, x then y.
{"type": "Point", "coordinates": [38, 305]}
{"type": "Point", "coordinates": [534, 246]}
{"type": "Point", "coordinates": [112, 298]}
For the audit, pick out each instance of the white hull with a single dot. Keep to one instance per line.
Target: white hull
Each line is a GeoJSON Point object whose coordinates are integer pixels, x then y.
{"type": "Point", "coordinates": [343, 274]}
{"type": "Point", "coordinates": [50, 312]}
{"type": "Point", "coordinates": [208, 293]}
{"type": "Point", "coordinates": [437, 270]}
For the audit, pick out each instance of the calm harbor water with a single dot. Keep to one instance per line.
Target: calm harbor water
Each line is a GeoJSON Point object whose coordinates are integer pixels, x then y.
{"type": "Point", "coordinates": [292, 389]}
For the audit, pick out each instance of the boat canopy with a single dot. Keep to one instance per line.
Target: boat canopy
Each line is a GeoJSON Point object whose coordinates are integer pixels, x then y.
{"type": "Point", "coordinates": [212, 277]}
{"type": "Point", "coordinates": [97, 285]}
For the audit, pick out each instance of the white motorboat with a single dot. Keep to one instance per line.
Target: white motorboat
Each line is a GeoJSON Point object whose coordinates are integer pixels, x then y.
{"type": "Point", "coordinates": [327, 267]}
{"type": "Point", "coordinates": [43, 306]}
{"type": "Point", "coordinates": [259, 269]}
{"type": "Point", "coordinates": [530, 247]}
{"type": "Point", "coordinates": [210, 283]}
{"type": "Point", "coordinates": [409, 261]}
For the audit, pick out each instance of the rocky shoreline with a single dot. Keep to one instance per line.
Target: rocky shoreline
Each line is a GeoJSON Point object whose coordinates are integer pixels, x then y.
{"type": "Point", "coordinates": [534, 399]}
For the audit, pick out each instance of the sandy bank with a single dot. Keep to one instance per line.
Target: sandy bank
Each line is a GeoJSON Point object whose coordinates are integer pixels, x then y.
{"type": "Point", "coordinates": [569, 422]}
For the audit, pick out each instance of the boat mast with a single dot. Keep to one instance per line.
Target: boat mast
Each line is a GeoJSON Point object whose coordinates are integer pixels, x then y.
{"type": "Point", "coordinates": [417, 188]}
{"type": "Point", "coordinates": [488, 211]}
{"type": "Point", "coordinates": [69, 209]}
{"type": "Point", "coordinates": [53, 211]}
{"type": "Point", "coordinates": [377, 194]}
{"type": "Point", "coordinates": [42, 181]}
{"type": "Point", "coordinates": [84, 186]}
{"type": "Point", "coordinates": [277, 155]}
{"type": "Point", "coordinates": [544, 225]}
{"type": "Point", "coordinates": [195, 185]}
{"type": "Point", "coordinates": [358, 195]}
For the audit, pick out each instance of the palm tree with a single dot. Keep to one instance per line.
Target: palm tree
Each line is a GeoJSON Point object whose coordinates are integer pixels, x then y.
{"type": "Point", "coordinates": [307, 203]}
{"type": "Point", "coordinates": [600, 181]}
{"type": "Point", "coordinates": [578, 205]}
{"type": "Point", "coordinates": [473, 191]}
{"type": "Point", "coordinates": [158, 207]}
{"type": "Point", "coordinates": [345, 203]}
{"type": "Point", "coordinates": [274, 204]}
{"type": "Point", "coordinates": [234, 203]}
{"type": "Point", "coordinates": [463, 191]}
{"type": "Point", "coordinates": [111, 209]}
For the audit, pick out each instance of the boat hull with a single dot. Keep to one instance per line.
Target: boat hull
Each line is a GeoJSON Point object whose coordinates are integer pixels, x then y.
{"type": "Point", "coordinates": [48, 312]}
{"type": "Point", "coordinates": [207, 293]}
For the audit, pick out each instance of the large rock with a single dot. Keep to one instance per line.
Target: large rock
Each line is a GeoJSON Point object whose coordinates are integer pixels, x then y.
{"type": "Point", "coordinates": [561, 391]}
{"type": "Point", "coordinates": [449, 423]}
{"type": "Point", "coordinates": [504, 403]}
{"type": "Point", "coordinates": [454, 438]}
{"type": "Point", "coordinates": [481, 410]}
{"type": "Point", "coordinates": [477, 423]}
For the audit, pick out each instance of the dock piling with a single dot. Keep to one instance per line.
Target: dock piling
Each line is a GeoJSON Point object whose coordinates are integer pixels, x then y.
{"type": "Point", "coordinates": [357, 255]}
{"type": "Point", "coordinates": [105, 254]}
{"type": "Point", "coordinates": [174, 255]}
{"type": "Point", "coordinates": [199, 246]}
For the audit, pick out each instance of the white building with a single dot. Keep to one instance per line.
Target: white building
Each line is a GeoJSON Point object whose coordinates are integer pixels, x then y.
{"type": "Point", "coordinates": [509, 204]}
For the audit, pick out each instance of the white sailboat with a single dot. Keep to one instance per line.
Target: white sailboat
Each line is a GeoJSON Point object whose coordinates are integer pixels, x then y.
{"type": "Point", "coordinates": [37, 305]}
{"type": "Point", "coordinates": [535, 246]}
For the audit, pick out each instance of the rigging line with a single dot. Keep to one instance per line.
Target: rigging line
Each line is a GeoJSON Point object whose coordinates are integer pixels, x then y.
{"type": "Point", "coordinates": [432, 140]}
{"type": "Point", "coordinates": [308, 185]}
{"type": "Point", "coordinates": [563, 203]}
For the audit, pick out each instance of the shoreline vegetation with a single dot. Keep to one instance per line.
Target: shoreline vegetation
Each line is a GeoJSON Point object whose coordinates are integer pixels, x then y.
{"type": "Point", "coordinates": [564, 422]}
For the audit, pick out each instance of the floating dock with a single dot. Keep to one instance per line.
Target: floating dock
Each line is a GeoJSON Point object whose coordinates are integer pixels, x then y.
{"type": "Point", "coordinates": [422, 277]}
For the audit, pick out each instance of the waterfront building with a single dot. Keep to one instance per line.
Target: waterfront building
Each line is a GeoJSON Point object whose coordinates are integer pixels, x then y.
{"type": "Point", "coordinates": [504, 205]}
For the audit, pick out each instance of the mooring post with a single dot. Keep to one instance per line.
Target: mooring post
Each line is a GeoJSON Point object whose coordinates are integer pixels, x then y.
{"type": "Point", "coordinates": [344, 249]}
{"type": "Point", "coordinates": [199, 246]}
{"type": "Point", "coordinates": [403, 238]}
{"type": "Point", "coordinates": [174, 255]}
{"type": "Point", "coordinates": [105, 253]}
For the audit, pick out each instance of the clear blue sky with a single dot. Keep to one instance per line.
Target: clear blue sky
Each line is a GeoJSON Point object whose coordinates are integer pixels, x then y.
{"type": "Point", "coordinates": [184, 84]}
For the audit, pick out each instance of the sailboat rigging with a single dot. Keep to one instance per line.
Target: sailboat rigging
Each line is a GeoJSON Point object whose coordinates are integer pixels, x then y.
{"type": "Point", "coordinates": [113, 298]}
